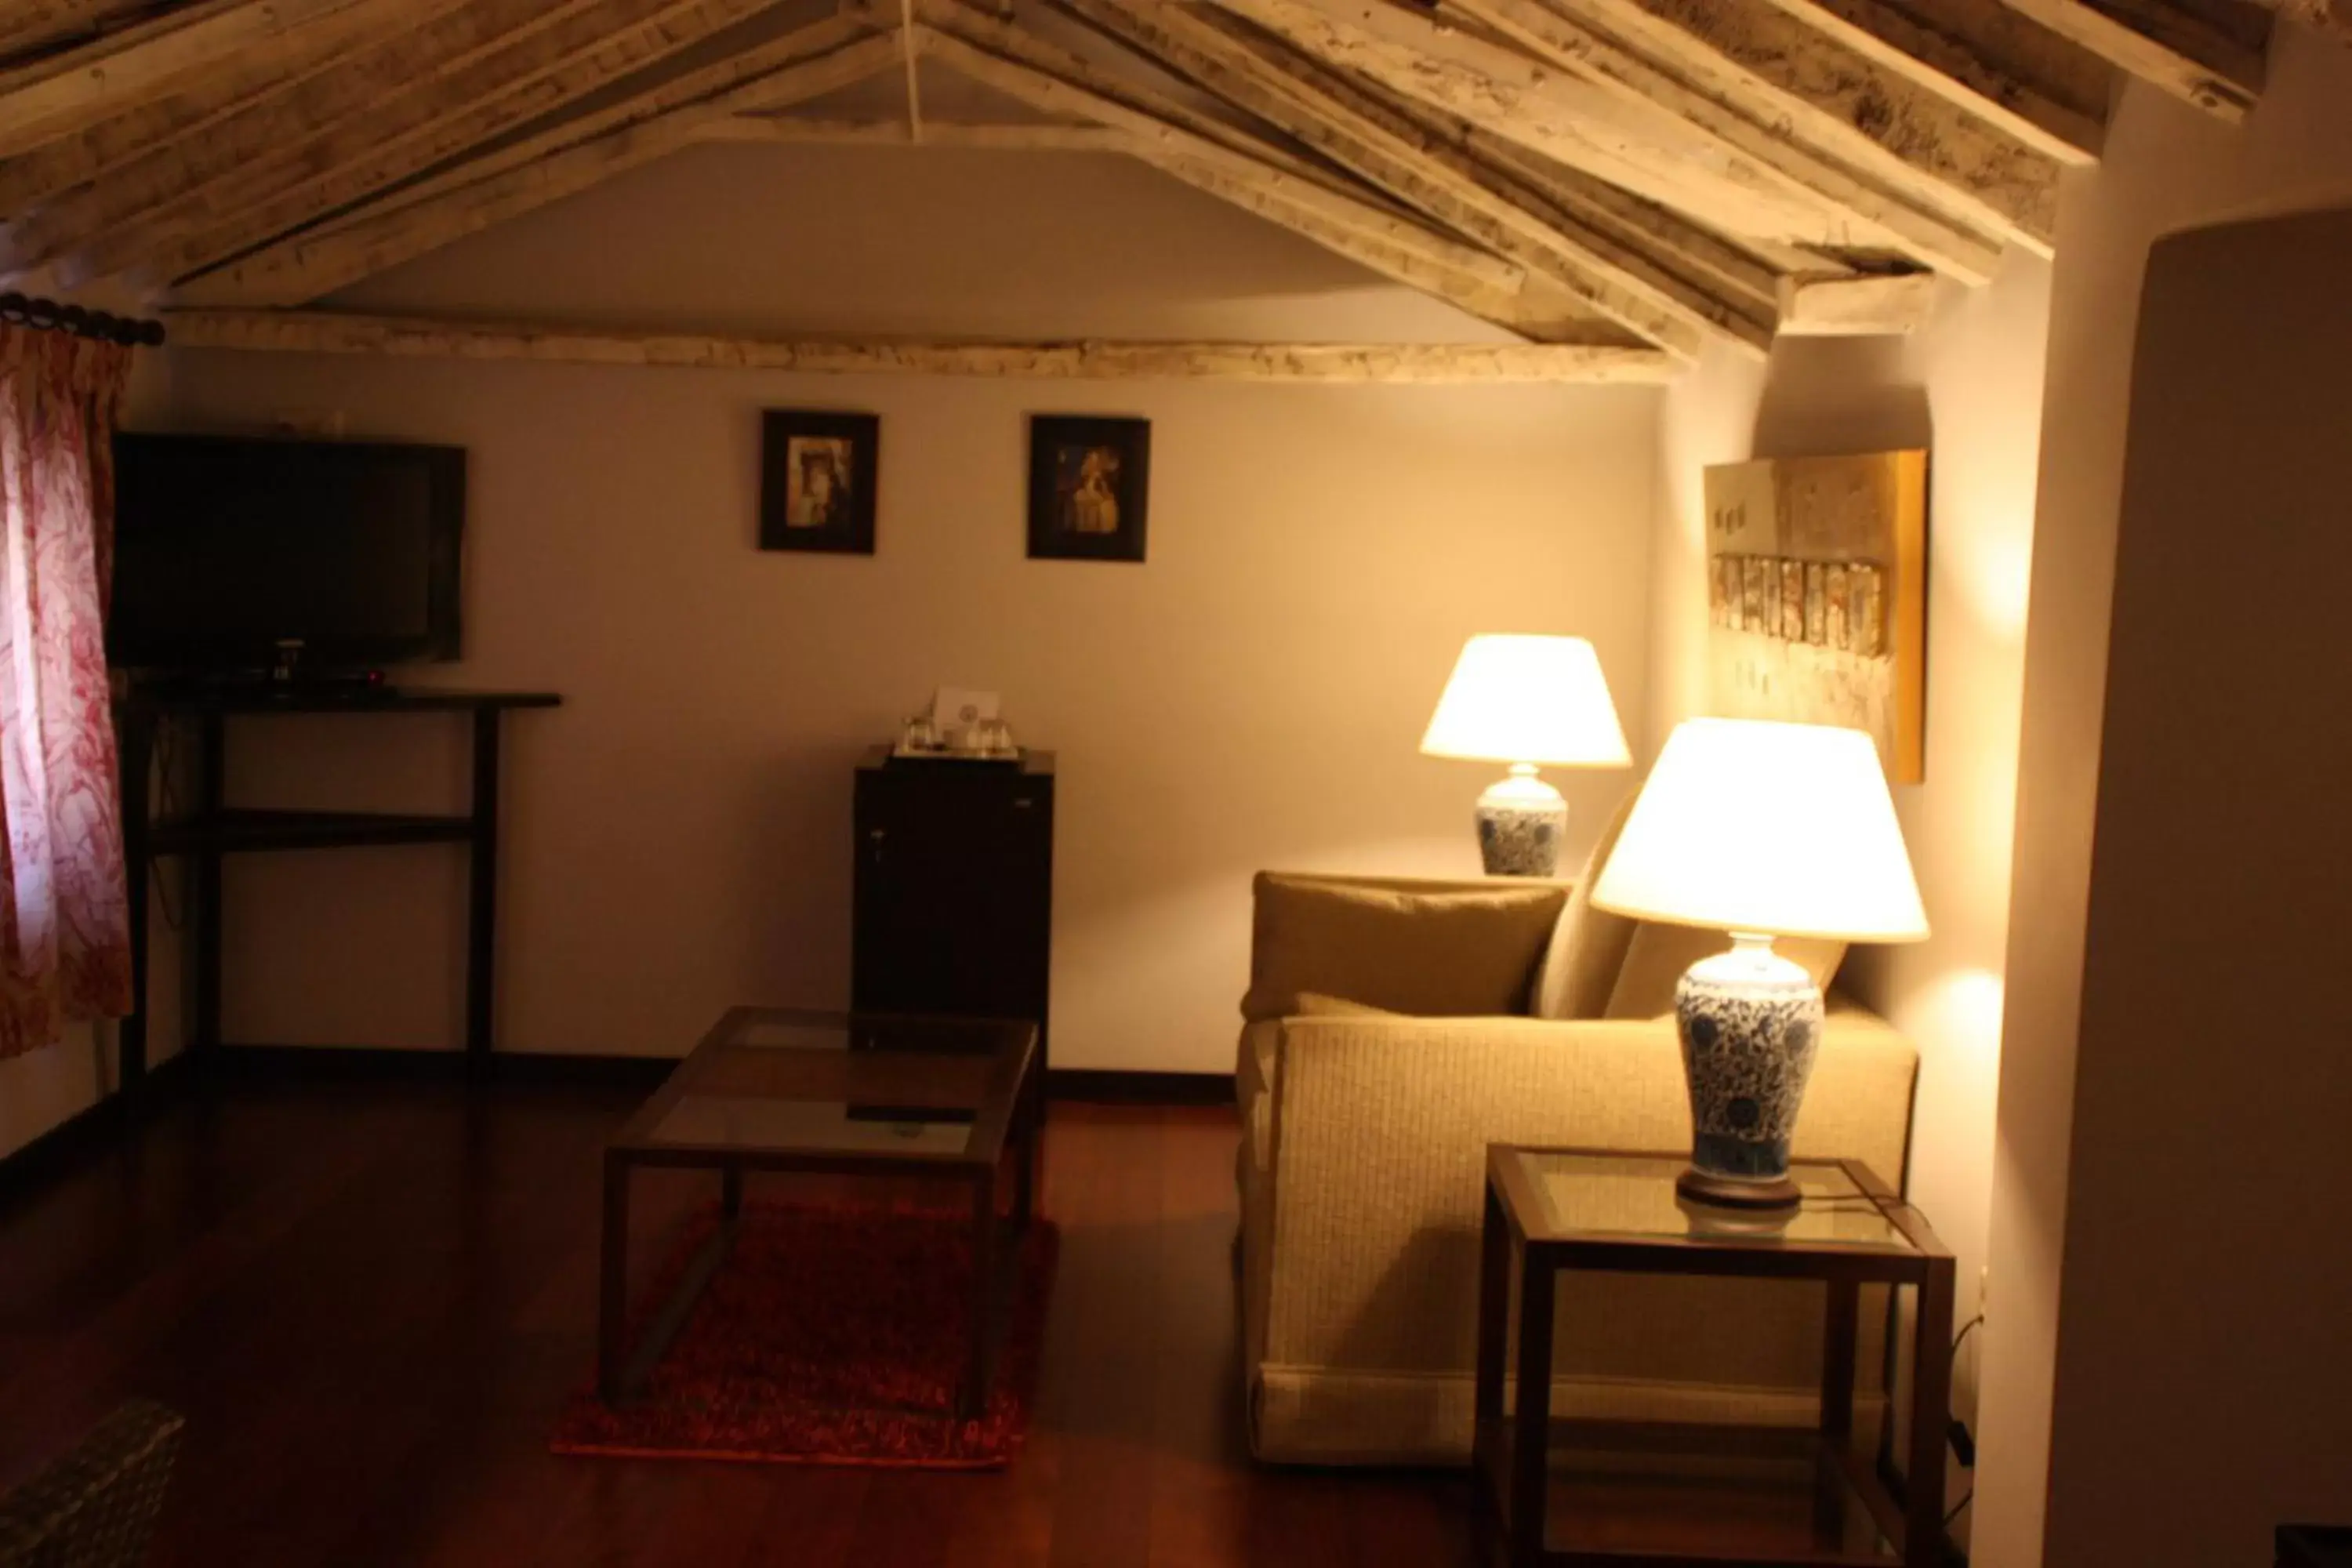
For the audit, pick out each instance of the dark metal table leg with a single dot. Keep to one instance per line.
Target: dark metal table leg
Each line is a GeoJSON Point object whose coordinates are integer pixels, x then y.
{"type": "Point", "coordinates": [613, 1283]}
{"type": "Point", "coordinates": [972, 1399]}
{"type": "Point", "coordinates": [1531, 1418]}
{"type": "Point", "coordinates": [1931, 1414]}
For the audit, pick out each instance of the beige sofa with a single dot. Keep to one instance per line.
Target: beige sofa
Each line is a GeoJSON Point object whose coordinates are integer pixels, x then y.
{"type": "Point", "coordinates": [1362, 1174]}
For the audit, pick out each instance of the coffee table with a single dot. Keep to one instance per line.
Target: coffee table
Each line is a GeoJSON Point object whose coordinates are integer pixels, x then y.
{"type": "Point", "coordinates": [790, 1089]}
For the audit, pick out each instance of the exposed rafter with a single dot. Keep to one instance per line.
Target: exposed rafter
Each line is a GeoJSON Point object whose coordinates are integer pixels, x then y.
{"type": "Point", "coordinates": [1656, 175]}
{"type": "Point", "coordinates": [1870, 212]}
{"type": "Point", "coordinates": [1638, 146]}
{"type": "Point", "coordinates": [1184, 144]}
{"type": "Point", "coordinates": [57, 94]}
{"type": "Point", "coordinates": [1614, 277]}
{"type": "Point", "coordinates": [199, 109]}
{"type": "Point", "coordinates": [1985, 69]}
{"type": "Point", "coordinates": [2163, 43]}
{"type": "Point", "coordinates": [1843, 104]}
{"type": "Point", "coordinates": [1409, 365]}
{"type": "Point", "coordinates": [527, 175]}
{"type": "Point", "coordinates": [422, 100]}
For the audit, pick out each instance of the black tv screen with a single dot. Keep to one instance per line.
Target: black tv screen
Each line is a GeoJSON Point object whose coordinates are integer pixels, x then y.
{"type": "Point", "coordinates": [240, 553]}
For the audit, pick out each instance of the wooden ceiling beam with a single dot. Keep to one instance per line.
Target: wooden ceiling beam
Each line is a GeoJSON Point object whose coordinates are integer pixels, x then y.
{"type": "Point", "coordinates": [1139, 106]}
{"type": "Point", "coordinates": [557, 55]}
{"type": "Point", "coordinates": [1617, 278]}
{"type": "Point", "coordinates": [1780, 73]}
{"type": "Point", "coordinates": [204, 108]}
{"type": "Point", "coordinates": [527, 175]}
{"type": "Point", "coordinates": [2009, 88]}
{"type": "Point", "coordinates": [1394, 244]}
{"type": "Point", "coordinates": [1637, 146]}
{"type": "Point", "coordinates": [1870, 213]}
{"type": "Point", "coordinates": [30, 24]}
{"type": "Point", "coordinates": [262, 140]}
{"type": "Point", "coordinates": [2166, 44]}
{"type": "Point", "coordinates": [59, 94]}
{"type": "Point", "coordinates": [1356, 365]}
{"type": "Point", "coordinates": [1869, 304]}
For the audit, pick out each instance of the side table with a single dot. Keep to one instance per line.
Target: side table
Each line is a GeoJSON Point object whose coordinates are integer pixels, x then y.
{"type": "Point", "coordinates": [1582, 1492]}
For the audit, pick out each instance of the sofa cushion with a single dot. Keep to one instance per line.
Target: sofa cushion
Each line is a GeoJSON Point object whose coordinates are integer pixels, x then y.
{"type": "Point", "coordinates": [1448, 954]}
{"type": "Point", "coordinates": [1659, 953]}
{"type": "Point", "coordinates": [1588, 945]}
{"type": "Point", "coordinates": [1315, 1005]}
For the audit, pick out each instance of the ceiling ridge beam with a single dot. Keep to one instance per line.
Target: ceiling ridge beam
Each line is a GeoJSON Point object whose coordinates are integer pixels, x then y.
{"type": "Point", "coordinates": [57, 95]}
{"type": "Point", "coordinates": [1540, 66]}
{"type": "Point", "coordinates": [516, 180]}
{"type": "Point", "coordinates": [1611, 278]}
{"type": "Point", "coordinates": [1779, 72]}
{"type": "Point", "coordinates": [460, 104]}
{"type": "Point", "coordinates": [2007, 93]}
{"type": "Point", "coordinates": [1362, 364]}
{"type": "Point", "coordinates": [2164, 44]}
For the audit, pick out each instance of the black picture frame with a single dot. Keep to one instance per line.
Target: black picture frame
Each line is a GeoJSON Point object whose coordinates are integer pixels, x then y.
{"type": "Point", "coordinates": [798, 444]}
{"type": "Point", "coordinates": [1077, 511]}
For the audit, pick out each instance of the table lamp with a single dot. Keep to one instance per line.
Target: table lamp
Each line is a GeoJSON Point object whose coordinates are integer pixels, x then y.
{"type": "Point", "coordinates": [1761, 829]}
{"type": "Point", "coordinates": [1527, 701]}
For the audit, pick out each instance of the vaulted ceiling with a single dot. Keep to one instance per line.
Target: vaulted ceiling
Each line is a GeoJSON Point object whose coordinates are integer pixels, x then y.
{"type": "Point", "coordinates": [1618, 183]}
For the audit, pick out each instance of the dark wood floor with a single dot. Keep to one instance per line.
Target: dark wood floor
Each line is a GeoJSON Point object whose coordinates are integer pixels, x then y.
{"type": "Point", "coordinates": [370, 1299]}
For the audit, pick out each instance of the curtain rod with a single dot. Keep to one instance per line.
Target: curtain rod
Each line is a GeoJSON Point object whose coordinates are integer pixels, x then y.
{"type": "Point", "coordinates": [51, 316]}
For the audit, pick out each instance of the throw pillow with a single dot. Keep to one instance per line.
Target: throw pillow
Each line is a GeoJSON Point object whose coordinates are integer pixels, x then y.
{"type": "Point", "coordinates": [1588, 945]}
{"type": "Point", "coordinates": [1660, 952]}
{"type": "Point", "coordinates": [1440, 954]}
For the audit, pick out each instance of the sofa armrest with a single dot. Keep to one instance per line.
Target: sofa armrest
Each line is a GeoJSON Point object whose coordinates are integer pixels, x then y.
{"type": "Point", "coordinates": [1378, 1136]}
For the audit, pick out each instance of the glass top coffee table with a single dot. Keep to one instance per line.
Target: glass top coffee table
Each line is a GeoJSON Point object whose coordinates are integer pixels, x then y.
{"type": "Point", "coordinates": [1582, 1492]}
{"type": "Point", "coordinates": [831, 1093]}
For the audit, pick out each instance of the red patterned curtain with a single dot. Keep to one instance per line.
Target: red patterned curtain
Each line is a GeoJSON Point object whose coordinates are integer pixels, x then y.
{"type": "Point", "coordinates": [65, 928]}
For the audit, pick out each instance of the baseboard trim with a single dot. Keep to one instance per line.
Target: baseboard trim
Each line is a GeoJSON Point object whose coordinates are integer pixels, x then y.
{"type": "Point", "coordinates": [383, 1064]}
{"type": "Point", "coordinates": [1098, 1086]}
{"type": "Point", "coordinates": [87, 1128]}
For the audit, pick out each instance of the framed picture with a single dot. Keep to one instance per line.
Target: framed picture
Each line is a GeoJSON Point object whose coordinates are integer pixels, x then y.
{"type": "Point", "coordinates": [1823, 563]}
{"type": "Point", "coordinates": [817, 480]}
{"type": "Point", "coordinates": [1089, 484]}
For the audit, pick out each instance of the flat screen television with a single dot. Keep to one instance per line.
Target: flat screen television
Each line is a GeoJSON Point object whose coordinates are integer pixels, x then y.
{"type": "Point", "coordinates": [239, 553]}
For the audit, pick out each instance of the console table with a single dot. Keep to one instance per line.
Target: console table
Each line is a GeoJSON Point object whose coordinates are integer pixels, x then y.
{"type": "Point", "coordinates": [212, 828]}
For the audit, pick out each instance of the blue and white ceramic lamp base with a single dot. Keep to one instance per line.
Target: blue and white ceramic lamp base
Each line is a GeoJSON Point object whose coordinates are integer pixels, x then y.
{"type": "Point", "coordinates": [1522, 821]}
{"type": "Point", "coordinates": [1752, 1023]}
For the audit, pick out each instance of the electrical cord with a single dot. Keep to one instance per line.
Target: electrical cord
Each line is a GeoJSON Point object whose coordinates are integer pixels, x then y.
{"type": "Point", "coordinates": [1964, 1443]}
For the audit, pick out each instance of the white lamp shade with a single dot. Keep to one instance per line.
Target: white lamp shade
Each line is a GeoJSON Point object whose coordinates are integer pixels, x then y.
{"type": "Point", "coordinates": [1782, 830]}
{"type": "Point", "coordinates": [1528, 699]}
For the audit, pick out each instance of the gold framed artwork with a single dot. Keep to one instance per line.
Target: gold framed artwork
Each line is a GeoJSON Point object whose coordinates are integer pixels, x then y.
{"type": "Point", "coordinates": [1817, 596]}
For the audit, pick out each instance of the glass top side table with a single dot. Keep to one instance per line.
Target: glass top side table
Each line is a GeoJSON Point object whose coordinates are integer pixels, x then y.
{"type": "Point", "coordinates": [1554, 1492]}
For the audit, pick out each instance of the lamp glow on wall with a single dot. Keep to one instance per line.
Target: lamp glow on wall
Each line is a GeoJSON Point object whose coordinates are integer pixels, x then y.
{"type": "Point", "coordinates": [1760, 829]}
{"type": "Point", "coordinates": [1528, 701]}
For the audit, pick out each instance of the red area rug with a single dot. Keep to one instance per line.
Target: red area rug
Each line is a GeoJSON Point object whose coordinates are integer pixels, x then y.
{"type": "Point", "coordinates": [833, 1335]}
